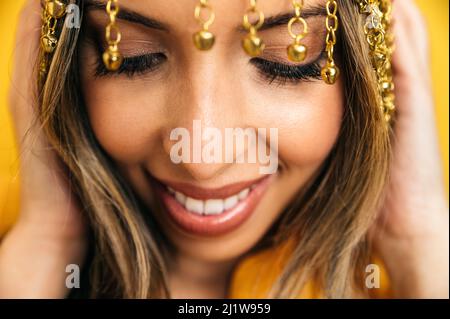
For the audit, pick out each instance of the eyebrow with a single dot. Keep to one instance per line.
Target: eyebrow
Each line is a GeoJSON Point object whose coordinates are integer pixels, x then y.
{"type": "Point", "coordinates": [128, 15]}
{"type": "Point", "coordinates": [284, 18]}
{"type": "Point", "coordinates": [269, 23]}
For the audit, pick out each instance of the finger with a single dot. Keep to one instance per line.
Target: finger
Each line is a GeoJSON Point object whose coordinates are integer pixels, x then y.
{"type": "Point", "coordinates": [39, 165]}
{"type": "Point", "coordinates": [411, 55]}
{"type": "Point", "coordinates": [417, 26]}
{"type": "Point", "coordinates": [22, 95]}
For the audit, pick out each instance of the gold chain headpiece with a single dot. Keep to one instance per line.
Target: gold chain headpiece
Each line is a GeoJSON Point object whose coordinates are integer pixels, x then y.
{"type": "Point", "coordinates": [381, 43]}
{"type": "Point", "coordinates": [52, 11]}
{"type": "Point", "coordinates": [297, 52]}
{"type": "Point", "coordinates": [253, 44]}
{"type": "Point", "coordinates": [203, 39]}
{"type": "Point", "coordinates": [112, 57]}
{"type": "Point", "coordinates": [330, 72]}
{"type": "Point", "coordinates": [377, 29]}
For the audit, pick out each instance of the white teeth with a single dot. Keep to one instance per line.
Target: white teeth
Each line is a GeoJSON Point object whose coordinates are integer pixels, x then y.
{"type": "Point", "coordinates": [230, 202]}
{"type": "Point", "coordinates": [243, 194]}
{"type": "Point", "coordinates": [194, 205]}
{"type": "Point", "coordinates": [210, 206]}
{"type": "Point", "coordinates": [181, 198]}
{"type": "Point", "coordinates": [213, 206]}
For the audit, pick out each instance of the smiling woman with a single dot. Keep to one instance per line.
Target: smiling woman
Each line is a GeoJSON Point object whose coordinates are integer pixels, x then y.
{"type": "Point", "coordinates": [176, 62]}
{"type": "Point", "coordinates": [102, 190]}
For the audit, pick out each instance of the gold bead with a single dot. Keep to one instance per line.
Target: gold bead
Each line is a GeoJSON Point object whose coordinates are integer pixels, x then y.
{"type": "Point", "coordinates": [330, 73]}
{"type": "Point", "coordinates": [204, 40]}
{"type": "Point", "coordinates": [389, 105]}
{"type": "Point", "coordinates": [49, 43]}
{"type": "Point", "coordinates": [253, 45]}
{"type": "Point", "coordinates": [297, 52]}
{"type": "Point", "coordinates": [55, 8]}
{"type": "Point", "coordinates": [388, 97]}
{"type": "Point", "coordinates": [387, 86]}
{"type": "Point", "coordinates": [112, 59]}
{"type": "Point", "coordinates": [43, 68]}
{"type": "Point", "coordinates": [379, 60]}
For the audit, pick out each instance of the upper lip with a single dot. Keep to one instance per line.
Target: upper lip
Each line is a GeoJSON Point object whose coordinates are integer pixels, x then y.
{"type": "Point", "coordinates": [197, 192]}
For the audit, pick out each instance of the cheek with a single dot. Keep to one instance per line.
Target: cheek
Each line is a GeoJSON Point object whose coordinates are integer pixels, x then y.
{"type": "Point", "coordinates": [127, 118]}
{"type": "Point", "coordinates": [308, 123]}
{"type": "Point", "coordinates": [123, 120]}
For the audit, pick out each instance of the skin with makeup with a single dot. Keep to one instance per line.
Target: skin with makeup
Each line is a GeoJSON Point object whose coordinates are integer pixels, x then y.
{"type": "Point", "coordinates": [213, 214]}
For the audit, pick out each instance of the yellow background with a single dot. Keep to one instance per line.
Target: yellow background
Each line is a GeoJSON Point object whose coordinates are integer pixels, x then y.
{"type": "Point", "coordinates": [435, 12]}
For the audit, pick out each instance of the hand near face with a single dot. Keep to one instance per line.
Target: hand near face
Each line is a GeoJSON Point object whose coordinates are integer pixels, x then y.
{"type": "Point", "coordinates": [50, 232]}
{"type": "Point", "coordinates": [412, 232]}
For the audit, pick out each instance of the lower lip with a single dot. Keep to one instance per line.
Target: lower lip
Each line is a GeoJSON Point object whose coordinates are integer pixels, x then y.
{"type": "Point", "coordinates": [212, 225]}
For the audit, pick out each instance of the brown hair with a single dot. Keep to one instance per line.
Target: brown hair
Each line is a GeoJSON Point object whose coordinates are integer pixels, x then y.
{"type": "Point", "coordinates": [327, 224]}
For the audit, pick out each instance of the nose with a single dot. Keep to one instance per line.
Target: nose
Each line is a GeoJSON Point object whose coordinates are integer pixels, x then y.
{"type": "Point", "coordinates": [205, 101]}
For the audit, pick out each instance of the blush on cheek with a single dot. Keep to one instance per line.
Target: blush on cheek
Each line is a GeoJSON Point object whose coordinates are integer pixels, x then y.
{"type": "Point", "coordinates": [311, 140]}
{"type": "Point", "coordinates": [308, 136]}
{"type": "Point", "coordinates": [120, 128]}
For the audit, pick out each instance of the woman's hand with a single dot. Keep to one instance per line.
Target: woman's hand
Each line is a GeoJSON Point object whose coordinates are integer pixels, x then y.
{"type": "Point", "coordinates": [412, 234]}
{"type": "Point", "coordinates": [50, 232]}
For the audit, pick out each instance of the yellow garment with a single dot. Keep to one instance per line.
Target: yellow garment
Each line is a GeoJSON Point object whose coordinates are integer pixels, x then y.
{"type": "Point", "coordinates": [254, 277]}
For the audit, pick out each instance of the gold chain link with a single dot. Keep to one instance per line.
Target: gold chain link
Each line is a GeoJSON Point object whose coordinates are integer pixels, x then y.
{"type": "Point", "coordinates": [332, 24]}
{"type": "Point", "coordinates": [112, 57]}
{"type": "Point", "coordinates": [330, 72]}
{"type": "Point", "coordinates": [298, 6]}
{"type": "Point", "coordinates": [112, 9]}
{"type": "Point", "coordinates": [202, 7]}
{"type": "Point", "coordinates": [253, 44]}
{"type": "Point", "coordinates": [253, 27]}
{"type": "Point", "coordinates": [203, 39]}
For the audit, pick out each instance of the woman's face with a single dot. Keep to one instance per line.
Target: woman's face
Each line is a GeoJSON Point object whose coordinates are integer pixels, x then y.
{"type": "Point", "coordinates": [166, 83]}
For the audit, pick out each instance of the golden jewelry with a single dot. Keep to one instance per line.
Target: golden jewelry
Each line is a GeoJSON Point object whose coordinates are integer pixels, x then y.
{"type": "Point", "coordinates": [381, 43]}
{"type": "Point", "coordinates": [252, 44]}
{"type": "Point", "coordinates": [53, 10]}
{"type": "Point", "coordinates": [203, 39]}
{"type": "Point", "coordinates": [112, 57]}
{"type": "Point", "coordinates": [297, 52]}
{"type": "Point", "coordinates": [330, 72]}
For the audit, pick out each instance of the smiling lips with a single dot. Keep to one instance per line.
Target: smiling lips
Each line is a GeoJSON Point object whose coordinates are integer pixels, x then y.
{"type": "Point", "coordinates": [211, 212]}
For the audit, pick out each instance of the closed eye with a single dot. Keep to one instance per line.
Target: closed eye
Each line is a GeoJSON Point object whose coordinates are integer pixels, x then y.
{"type": "Point", "coordinates": [136, 65]}
{"type": "Point", "coordinates": [281, 73]}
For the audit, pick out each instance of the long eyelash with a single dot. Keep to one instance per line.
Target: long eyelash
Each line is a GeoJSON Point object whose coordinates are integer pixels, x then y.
{"type": "Point", "coordinates": [274, 72]}
{"type": "Point", "coordinates": [280, 73]}
{"type": "Point", "coordinates": [132, 66]}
